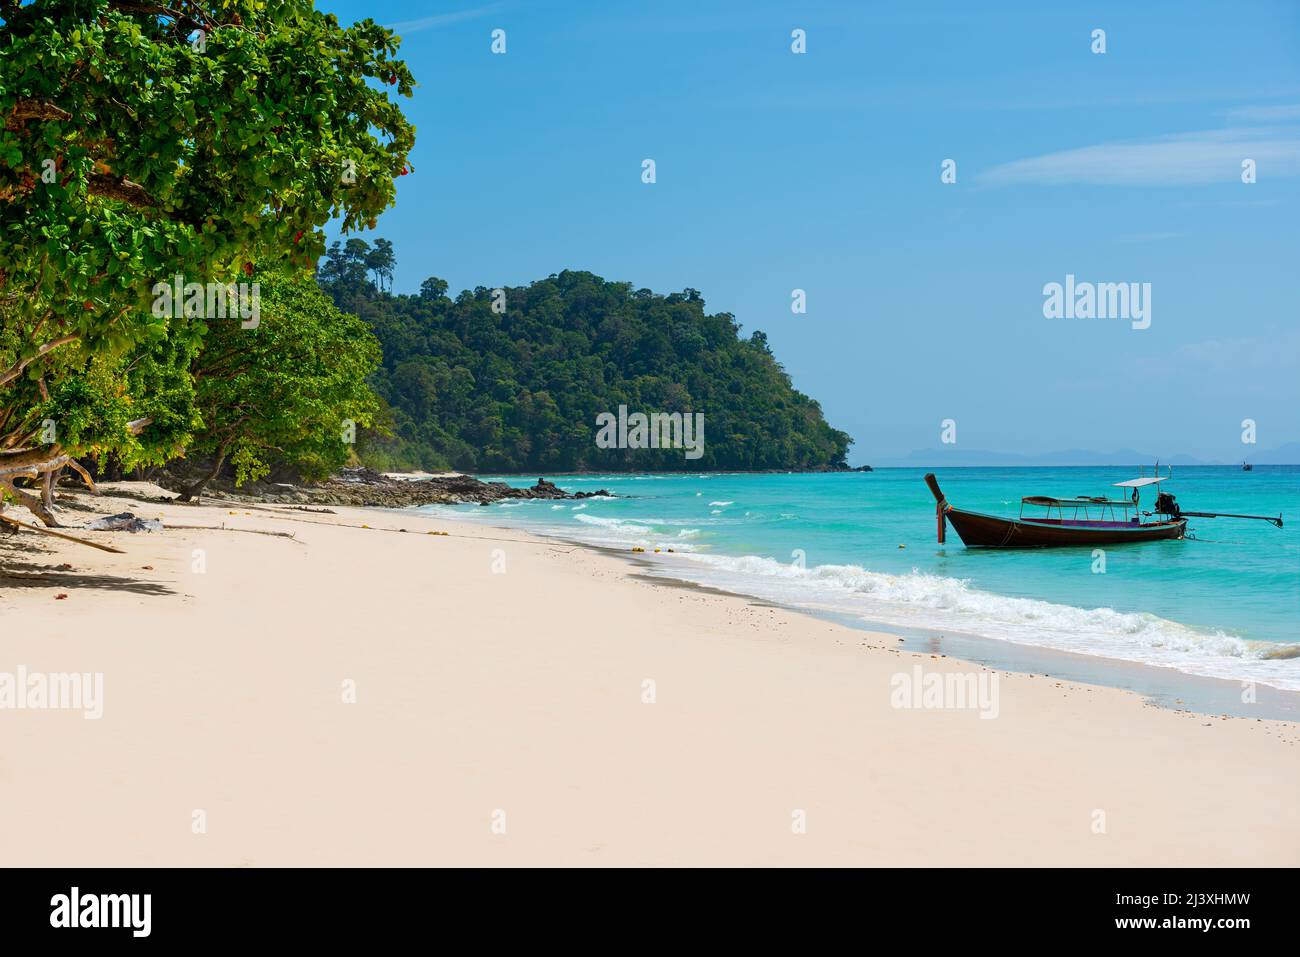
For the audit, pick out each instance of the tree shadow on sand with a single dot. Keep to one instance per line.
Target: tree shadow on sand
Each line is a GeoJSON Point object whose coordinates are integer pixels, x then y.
{"type": "Point", "coordinates": [18, 571]}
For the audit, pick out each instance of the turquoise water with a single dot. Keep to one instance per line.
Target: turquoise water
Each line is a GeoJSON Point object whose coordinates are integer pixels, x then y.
{"type": "Point", "coordinates": [1225, 604]}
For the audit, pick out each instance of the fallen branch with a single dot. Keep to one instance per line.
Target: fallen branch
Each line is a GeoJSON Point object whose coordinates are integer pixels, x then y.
{"type": "Point", "coordinates": [71, 538]}
{"type": "Point", "coordinates": [222, 528]}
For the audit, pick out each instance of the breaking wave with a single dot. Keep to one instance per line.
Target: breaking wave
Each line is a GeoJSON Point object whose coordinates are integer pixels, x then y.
{"type": "Point", "coordinates": [934, 602]}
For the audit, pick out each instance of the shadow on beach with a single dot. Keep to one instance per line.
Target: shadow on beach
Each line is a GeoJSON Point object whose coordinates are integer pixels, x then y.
{"type": "Point", "coordinates": [18, 570]}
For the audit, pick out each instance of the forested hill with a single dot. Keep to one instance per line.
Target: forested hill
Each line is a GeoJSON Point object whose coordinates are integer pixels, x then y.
{"type": "Point", "coordinates": [519, 387]}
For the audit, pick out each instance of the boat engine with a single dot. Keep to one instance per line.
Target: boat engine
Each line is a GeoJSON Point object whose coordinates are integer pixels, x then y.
{"type": "Point", "coordinates": [1166, 505]}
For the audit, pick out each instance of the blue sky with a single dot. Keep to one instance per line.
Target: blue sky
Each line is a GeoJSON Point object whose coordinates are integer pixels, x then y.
{"type": "Point", "coordinates": [821, 171]}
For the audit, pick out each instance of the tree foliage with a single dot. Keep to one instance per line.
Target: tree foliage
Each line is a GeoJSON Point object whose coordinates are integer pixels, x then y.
{"type": "Point", "coordinates": [142, 140]}
{"type": "Point", "coordinates": [519, 390]}
{"type": "Point", "coordinates": [292, 390]}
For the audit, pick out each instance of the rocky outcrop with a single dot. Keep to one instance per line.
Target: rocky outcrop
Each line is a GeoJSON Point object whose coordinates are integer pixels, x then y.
{"type": "Point", "coordinates": [349, 488]}
{"type": "Point", "coordinates": [365, 487]}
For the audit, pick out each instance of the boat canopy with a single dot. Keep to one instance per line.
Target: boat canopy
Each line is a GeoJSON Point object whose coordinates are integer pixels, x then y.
{"type": "Point", "coordinates": [1140, 482]}
{"type": "Point", "coordinates": [1080, 502]}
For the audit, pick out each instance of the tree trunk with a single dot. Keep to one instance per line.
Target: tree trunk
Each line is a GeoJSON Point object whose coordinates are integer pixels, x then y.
{"type": "Point", "coordinates": [50, 481]}
{"type": "Point", "coordinates": [110, 469]}
{"type": "Point", "coordinates": [193, 493]}
{"type": "Point", "coordinates": [32, 503]}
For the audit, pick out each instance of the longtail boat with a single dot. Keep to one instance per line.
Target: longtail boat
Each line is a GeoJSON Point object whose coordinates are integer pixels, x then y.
{"type": "Point", "coordinates": [1075, 521]}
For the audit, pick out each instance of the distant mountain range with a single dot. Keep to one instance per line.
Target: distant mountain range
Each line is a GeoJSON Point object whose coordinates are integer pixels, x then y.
{"type": "Point", "coordinates": [955, 457]}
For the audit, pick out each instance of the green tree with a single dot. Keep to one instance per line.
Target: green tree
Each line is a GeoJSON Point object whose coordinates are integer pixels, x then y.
{"type": "Point", "coordinates": [144, 140]}
{"type": "Point", "coordinates": [519, 391]}
{"type": "Point", "coordinates": [381, 261]}
{"type": "Point", "coordinates": [292, 390]}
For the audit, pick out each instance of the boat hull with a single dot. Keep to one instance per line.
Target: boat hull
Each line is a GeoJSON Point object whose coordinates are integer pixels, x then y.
{"type": "Point", "coordinates": [977, 530]}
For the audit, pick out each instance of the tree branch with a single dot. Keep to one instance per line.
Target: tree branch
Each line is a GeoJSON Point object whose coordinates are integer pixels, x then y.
{"type": "Point", "coordinates": [71, 538]}
{"type": "Point", "coordinates": [15, 370]}
{"type": "Point", "coordinates": [85, 476]}
{"type": "Point", "coordinates": [25, 110]}
{"type": "Point", "coordinates": [31, 463]}
{"type": "Point", "coordinates": [121, 189]}
{"type": "Point", "coordinates": [29, 501]}
{"type": "Point", "coordinates": [196, 19]}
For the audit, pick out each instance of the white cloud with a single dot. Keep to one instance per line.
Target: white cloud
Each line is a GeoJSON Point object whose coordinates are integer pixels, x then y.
{"type": "Point", "coordinates": [1149, 237]}
{"type": "Point", "coordinates": [1288, 112]}
{"type": "Point", "coordinates": [1184, 159]}
{"type": "Point", "coordinates": [1231, 364]}
{"type": "Point", "coordinates": [442, 19]}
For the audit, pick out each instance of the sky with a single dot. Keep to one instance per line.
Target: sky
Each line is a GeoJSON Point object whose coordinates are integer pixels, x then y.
{"type": "Point", "coordinates": [822, 171]}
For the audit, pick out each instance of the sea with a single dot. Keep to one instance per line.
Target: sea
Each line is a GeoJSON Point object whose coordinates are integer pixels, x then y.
{"type": "Point", "coordinates": [861, 547]}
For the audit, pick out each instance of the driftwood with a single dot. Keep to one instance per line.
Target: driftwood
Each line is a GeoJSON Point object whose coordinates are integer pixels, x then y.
{"type": "Point", "coordinates": [223, 528]}
{"type": "Point", "coordinates": [71, 538]}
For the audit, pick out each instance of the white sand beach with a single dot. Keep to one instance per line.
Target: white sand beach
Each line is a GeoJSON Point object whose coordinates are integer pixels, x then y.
{"type": "Point", "coordinates": [501, 718]}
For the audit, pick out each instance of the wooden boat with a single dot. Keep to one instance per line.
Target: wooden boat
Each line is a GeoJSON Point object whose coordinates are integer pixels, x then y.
{"type": "Point", "coordinates": [1064, 522]}
{"type": "Point", "coordinates": [1090, 522]}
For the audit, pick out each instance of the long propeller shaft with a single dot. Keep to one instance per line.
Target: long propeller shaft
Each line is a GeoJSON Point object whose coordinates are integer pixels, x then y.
{"type": "Point", "coordinates": [1263, 518]}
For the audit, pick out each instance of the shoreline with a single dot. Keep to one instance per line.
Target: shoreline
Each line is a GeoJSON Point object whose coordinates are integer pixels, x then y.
{"type": "Point", "coordinates": [864, 469]}
{"type": "Point", "coordinates": [519, 695]}
{"type": "Point", "coordinates": [1159, 685]}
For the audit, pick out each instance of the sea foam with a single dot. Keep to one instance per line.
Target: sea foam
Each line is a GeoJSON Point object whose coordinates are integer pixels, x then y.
{"type": "Point", "coordinates": [934, 602]}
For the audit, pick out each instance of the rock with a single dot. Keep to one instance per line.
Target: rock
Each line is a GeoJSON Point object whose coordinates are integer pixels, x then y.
{"type": "Point", "coordinates": [366, 487]}
{"type": "Point", "coordinates": [361, 475]}
{"type": "Point", "coordinates": [125, 522]}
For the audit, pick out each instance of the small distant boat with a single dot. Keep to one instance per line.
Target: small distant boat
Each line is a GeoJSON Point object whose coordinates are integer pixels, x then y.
{"type": "Point", "coordinates": [1247, 467]}
{"type": "Point", "coordinates": [1074, 521]}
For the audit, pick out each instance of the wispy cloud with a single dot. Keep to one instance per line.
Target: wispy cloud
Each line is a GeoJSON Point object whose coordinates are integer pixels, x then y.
{"type": "Point", "coordinates": [1281, 113]}
{"type": "Point", "coordinates": [1023, 94]}
{"type": "Point", "coordinates": [1149, 237]}
{"type": "Point", "coordinates": [1233, 369]}
{"type": "Point", "coordinates": [443, 19]}
{"type": "Point", "coordinates": [1185, 159]}
{"type": "Point", "coordinates": [1264, 361]}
